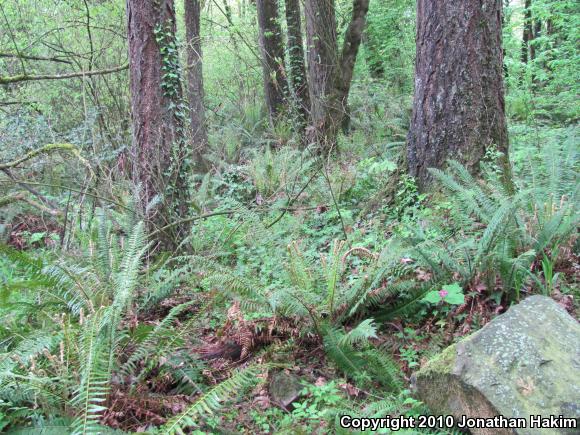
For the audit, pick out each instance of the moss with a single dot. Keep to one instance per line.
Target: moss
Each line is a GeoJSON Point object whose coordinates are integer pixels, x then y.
{"type": "Point", "coordinates": [8, 199]}
{"type": "Point", "coordinates": [441, 363]}
{"type": "Point", "coordinates": [46, 149]}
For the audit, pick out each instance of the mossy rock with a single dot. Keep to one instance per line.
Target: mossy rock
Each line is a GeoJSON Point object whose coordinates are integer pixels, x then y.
{"type": "Point", "coordinates": [284, 388]}
{"type": "Point", "coordinates": [524, 362]}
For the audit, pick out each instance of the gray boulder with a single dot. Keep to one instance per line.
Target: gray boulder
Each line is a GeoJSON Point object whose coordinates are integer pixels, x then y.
{"type": "Point", "coordinates": [524, 363]}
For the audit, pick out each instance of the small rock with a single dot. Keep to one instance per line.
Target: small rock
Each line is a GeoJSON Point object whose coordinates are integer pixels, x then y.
{"type": "Point", "coordinates": [284, 388]}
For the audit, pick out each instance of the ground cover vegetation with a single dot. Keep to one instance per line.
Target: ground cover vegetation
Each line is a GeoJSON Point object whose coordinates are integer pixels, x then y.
{"type": "Point", "coordinates": [201, 197]}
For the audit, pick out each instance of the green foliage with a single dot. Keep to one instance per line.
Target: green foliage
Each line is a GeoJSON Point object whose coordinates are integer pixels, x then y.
{"type": "Point", "coordinates": [319, 403]}
{"type": "Point", "coordinates": [95, 298]}
{"type": "Point", "coordinates": [451, 294]}
{"type": "Point", "coordinates": [295, 241]}
{"type": "Point", "coordinates": [545, 87]}
{"type": "Point", "coordinates": [389, 45]}
{"type": "Point", "coordinates": [276, 172]}
{"type": "Point", "coordinates": [319, 296]}
{"type": "Point", "coordinates": [213, 400]}
{"type": "Point", "coordinates": [515, 229]}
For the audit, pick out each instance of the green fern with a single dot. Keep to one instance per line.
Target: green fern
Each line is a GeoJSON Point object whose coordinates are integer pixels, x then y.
{"type": "Point", "coordinates": [152, 344]}
{"type": "Point", "coordinates": [354, 355]}
{"type": "Point", "coordinates": [364, 331]}
{"type": "Point", "coordinates": [213, 400]}
{"type": "Point", "coordinates": [93, 389]}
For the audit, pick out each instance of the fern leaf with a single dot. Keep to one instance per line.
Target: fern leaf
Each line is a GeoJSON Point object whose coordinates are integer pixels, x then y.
{"type": "Point", "coordinates": [151, 344]}
{"type": "Point", "coordinates": [213, 400]}
{"type": "Point", "coordinates": [94, 383]}
{"type": "Point", "coordinates": [364, 331]}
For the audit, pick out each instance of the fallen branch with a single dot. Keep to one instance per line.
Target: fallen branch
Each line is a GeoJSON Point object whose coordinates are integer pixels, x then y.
{"type": "Point", "coordinates": [23, 196]}
{"type": "Point", "coordinates": [46, 149]}
{"type": "Point", "coordinates": [72, 189]}
{"type": "Point", "coordinates": [27, 78]}
{"type": "Point", "coordinates": [34, 192]}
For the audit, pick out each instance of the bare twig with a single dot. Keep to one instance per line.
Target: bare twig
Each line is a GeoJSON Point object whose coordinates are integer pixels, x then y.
{"type": "Point", "coordinates": [31, 57]}
{"type": "Point", "coordinates": [27, 78]}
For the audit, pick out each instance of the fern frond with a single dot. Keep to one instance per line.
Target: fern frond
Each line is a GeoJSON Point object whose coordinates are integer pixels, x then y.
{"type": "Point", "coordinates": [151, 344]}
{"type": "Point", "coordinates": [466, 198]}
{"type": "Point", "coordinates": [345, 356]}
{"type": "Point", "coordinates": [333, 268]}
{"type": "Point", "coordinates": [496, 225]}
{"type": "Point", "coordinates": [213, 400]}
{"type": "Point", "coordinates": [406, 306]}
{"type": "Point", "coordinates": [384, 369]}
{"type": "Point", "coordinates": [299, 270]}
{"type": "Point", "coordinates": [94, 381]}
{"type": "Point", "coordinates": [126, 279]}
{"type": "Point", "coordinates": [364, 331]}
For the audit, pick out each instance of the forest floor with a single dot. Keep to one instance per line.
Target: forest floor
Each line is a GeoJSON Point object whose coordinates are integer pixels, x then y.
{"type": "Point", "coordinates": [210, 314]}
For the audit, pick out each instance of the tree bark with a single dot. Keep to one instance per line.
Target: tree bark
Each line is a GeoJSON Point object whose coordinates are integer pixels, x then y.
{"type": "Point", "coordinates": [330, 74]}
{"type": "Point", "coordinates": [528, 33]}
{"type": "Point", "coordinates": [195, 83]}
{"type": "Point", "coordinates": [157, 122]}
{"type": "Point", "coordinates": [322, 55]}
{"type": "Point", "coordinates": [272, 48]}
{"type": "Point", "coordinates": [458, 109]}
{"type": "Point", "coordinates": [298, 78]}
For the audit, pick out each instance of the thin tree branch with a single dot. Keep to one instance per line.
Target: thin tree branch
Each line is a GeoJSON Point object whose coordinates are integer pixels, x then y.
{"type": "Point", "coordinates": [47, 149]}
{"type": "Point", "coordinates": [229, 212]}
{"type": "Point", "coordinates": [27, 78]}
{"type": "Point", "coordinates": [72, 189]}
{"type": "Point", "coordinates": [30, 57]}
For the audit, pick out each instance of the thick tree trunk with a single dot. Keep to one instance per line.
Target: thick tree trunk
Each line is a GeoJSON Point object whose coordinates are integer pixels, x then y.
{"type": "Point", "coordinates": [322, 54]}
{"type": "Point", "coordinates": [296, 62]}
{"type": "Point", "coordinates": [458, 110]}
{"type": "Point", "coordinates": [330, 74]}
{"type": "Point", "coordinates": [156, 122]}
{"type": "Point", "coordinates": [195, 82]}
{"type": "Point", "coordinates": [338, 112]}
{"type": "Point", "coordinates": [272, 48]}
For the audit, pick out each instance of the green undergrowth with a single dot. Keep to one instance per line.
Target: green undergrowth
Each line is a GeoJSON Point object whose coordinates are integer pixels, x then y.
{"type": "Point", "coordinates": [87, 332]}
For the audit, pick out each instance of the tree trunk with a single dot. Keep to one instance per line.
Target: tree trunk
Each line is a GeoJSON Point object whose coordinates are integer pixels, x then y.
{"type": "Point", "coordinates": [322, 54]}
{"type": "Point", "coordinates": [272, 48]}
{"type": "Point", "coordinates": [195, 83]}
{"type": "Point", "coordinates": [157, 122]}
{"type": "Point", "coordinates": [298, 77]}
{"type": "Point", "coordinates": [536, 34]}
{"type": "Point", "coordinates": [458, 109]}
{"type": "Point", "coordinates": [375, 61]}
{"type": "Point", "coordinates": [330, 75]}
{"type": "Point", "coordinates": [528, 33]}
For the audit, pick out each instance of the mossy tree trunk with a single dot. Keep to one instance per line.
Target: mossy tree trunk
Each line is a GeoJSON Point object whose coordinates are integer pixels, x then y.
{"type": "Point", "coordinates": [158, 154]}
{"type": "Point", "coordinates": [298, 79]}
{"type": "Point", "coordinates": [272, 48]}
{"type": "Point", "coordinates": [195, 82]}
{"type": "Point", "coordinates": [330, 72]}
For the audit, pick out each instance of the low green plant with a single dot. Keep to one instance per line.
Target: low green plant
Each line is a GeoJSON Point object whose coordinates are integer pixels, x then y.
{"type": "Point", "coordinates": [491, 234]}
{"type": "Point", "coordinates": [550, 278]}
{"type": "Point", "coordinates": [449, 294]}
